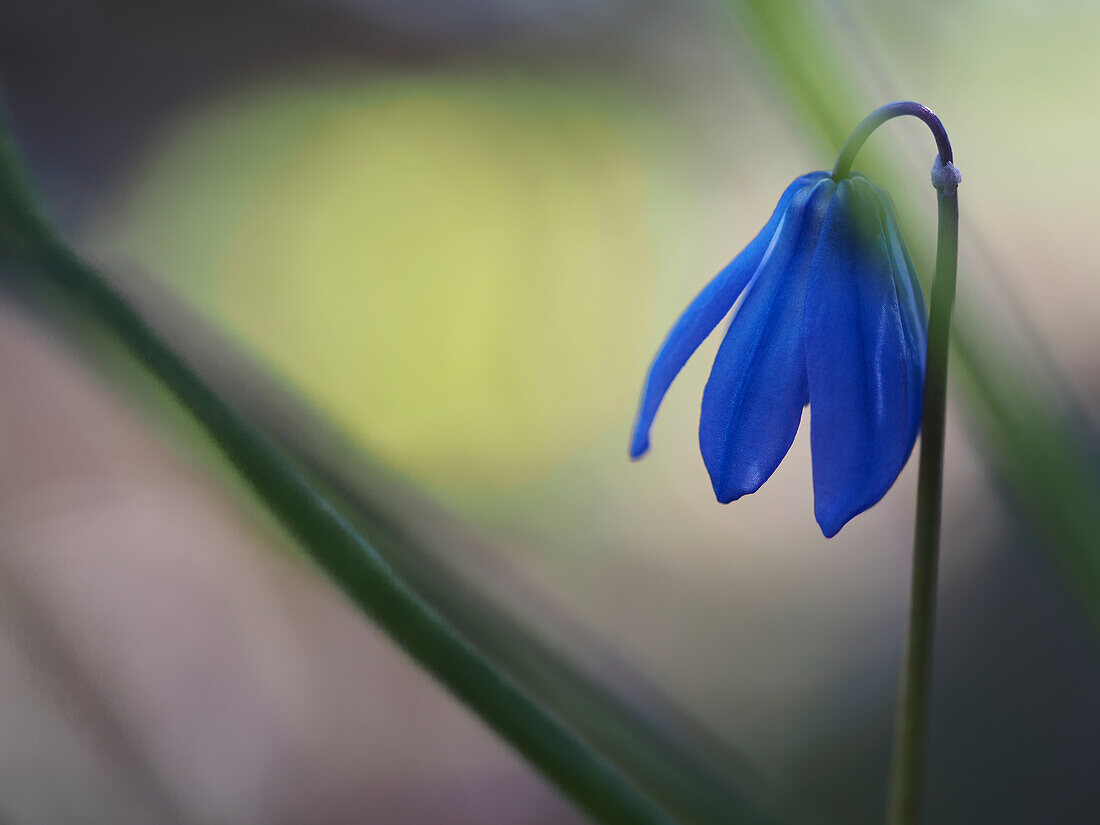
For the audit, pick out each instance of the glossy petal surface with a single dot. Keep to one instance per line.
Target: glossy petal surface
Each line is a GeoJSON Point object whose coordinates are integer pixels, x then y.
{"type": "Point", "coordinates": [862, 370]}
{"type": "Point", "coordinates": [705, 313]}
{"type": "Point", "coordinates": [914, 316]}
{"type": "Point", "coordinates": [753, 399]}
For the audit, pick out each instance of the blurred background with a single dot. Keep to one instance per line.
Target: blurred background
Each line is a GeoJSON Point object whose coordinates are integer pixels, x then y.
{"type": "Point", "coordinates": [438, 243]}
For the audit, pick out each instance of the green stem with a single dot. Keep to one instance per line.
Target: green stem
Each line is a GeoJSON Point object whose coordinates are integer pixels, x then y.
{"type": "Point", "coordinates": [594, 783]}
{"type": "Point", "coordinates": [907, 772]}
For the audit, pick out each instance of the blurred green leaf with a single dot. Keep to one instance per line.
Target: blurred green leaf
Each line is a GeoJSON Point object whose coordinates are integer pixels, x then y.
{"type": "Point", "coordinates": [625, 756]}
{"type": "Point", "coordinates": [695, 776]}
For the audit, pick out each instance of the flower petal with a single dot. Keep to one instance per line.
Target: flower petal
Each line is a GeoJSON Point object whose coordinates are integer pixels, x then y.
{"type": "Point", "coordinates": [704, 314]}
{"type": "Point", "coordinates": [859, 362]}
{"type": "Point", "coordinates": [753, 400]}
{"type": "Point", "coordinates": [914, 316]}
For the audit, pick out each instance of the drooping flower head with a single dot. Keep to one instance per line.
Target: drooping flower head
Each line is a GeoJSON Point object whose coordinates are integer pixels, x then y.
{"type": "Point", "coordinates": [831, 314]}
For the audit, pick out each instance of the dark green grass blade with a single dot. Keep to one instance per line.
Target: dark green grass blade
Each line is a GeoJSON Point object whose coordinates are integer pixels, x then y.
{"type": "Point", "coordinates": [691, 773]}
{"type": "Point", "coordinates": [615, 761]}
{"type": "Point", "coordinates": [595, 784]}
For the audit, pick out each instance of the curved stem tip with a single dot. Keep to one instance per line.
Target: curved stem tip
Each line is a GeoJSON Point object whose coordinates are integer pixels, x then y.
{"type": "Point", "coordinates": [882, 114]}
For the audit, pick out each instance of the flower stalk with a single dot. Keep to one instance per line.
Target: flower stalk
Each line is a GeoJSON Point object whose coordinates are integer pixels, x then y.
{"type": "Point", "coordinates": [907, 770]}
{"type": "Point", "coordinates": [910, 727]}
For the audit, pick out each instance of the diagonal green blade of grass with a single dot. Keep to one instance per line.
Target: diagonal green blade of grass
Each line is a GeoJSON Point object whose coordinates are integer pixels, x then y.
{"type": "Point", "coordinates": [1044, 454]}
{"type": "Point", "coordinates": [616, 762]}
{"type": "Point", "coordinates": [690, 772]}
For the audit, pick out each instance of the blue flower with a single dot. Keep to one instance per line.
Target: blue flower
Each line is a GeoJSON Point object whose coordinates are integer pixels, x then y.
{"type": "Point", "coordinates": [831, 315]}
